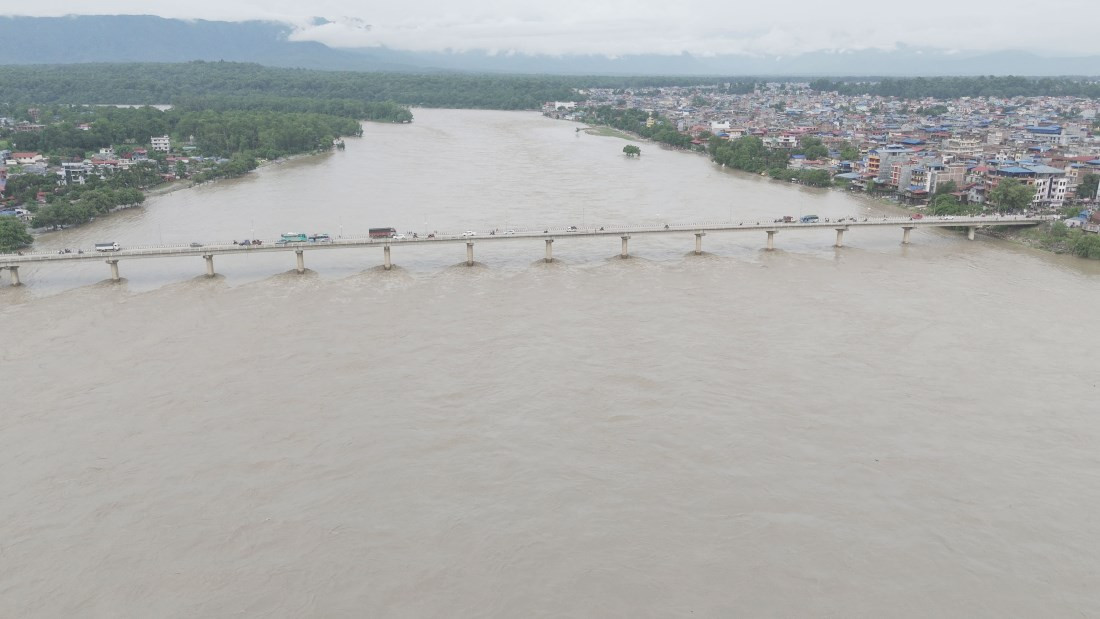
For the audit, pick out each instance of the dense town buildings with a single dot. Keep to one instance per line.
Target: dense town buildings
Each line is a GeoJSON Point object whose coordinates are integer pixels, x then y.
{"type": "Point", "coordinates": [906, 148]}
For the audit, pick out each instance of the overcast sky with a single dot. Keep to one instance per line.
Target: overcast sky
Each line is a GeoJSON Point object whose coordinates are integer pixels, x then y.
{"type": "Point", "coordinates": [619, 27]}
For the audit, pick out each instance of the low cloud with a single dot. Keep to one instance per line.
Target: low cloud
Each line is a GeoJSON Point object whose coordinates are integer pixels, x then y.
{"type": "Point", "coordinates": [621, 27]}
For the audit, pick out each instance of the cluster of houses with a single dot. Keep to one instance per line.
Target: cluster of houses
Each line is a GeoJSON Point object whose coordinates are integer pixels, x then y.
{"type": "Point", "coordinates": [102, 165]}
{"type": "Point", "coordinates": [907, 148]}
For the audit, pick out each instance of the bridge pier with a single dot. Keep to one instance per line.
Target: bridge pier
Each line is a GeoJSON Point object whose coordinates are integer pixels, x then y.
{"type": "Point", "coordinates": [113, 262]}
{"type": "Point", "coordinates": [905, 234]}
{"type": "Point", "coordinates": [209, 258]}
{"type": "Point", "coordinates": [387, 263]}
{"type": "Point", "coordinates": [699, 242]}
{"type": "Point", "coordinates": [14, 271]}
{"type": "Point", "coordinates": [469, 254]}
{"type": "Point", "coordinates": [301, 259]}
{"type": "Point", "coordinates": [771, 239]}
{"type": "Point", "coordinates": [624, 253]}
{"type": "Point", "coordinates": [970, 232]}
{"type": "Point", "coordinates": [840, 237]}
{"type": "Point", "coordinates": [549, 250]}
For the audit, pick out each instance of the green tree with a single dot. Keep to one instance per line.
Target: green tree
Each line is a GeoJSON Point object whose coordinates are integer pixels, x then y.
{"type": "Point", "coordinates": [1012, 195]}
{"type": "Point", "coordinates": [816, 151]}
{"type": "Point", "coordinates": [13, 234]}
{"type": "Point", "coordinates": [849, 152]}
{"type": "Point", "coordinates": [632, 150]}
{"type": "Point", "coordinates": [946, 187]}
{"type": "Point", "coordinates": [945, 205]}
{"type": "Point", "coordinates": [1087, 188]}
{"type": "Point", "coordinates": [1087, 246]}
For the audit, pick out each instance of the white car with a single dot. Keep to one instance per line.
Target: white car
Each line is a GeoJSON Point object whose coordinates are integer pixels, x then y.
{"type": "Point", "coordinates": [469, 233]}
{"type": "Point", "coordinates": [399, 237]}
{"type": "Point", "coordinates": [510, 232]}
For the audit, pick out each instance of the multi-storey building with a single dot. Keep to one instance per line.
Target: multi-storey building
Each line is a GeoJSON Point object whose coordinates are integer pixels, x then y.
{"type": "Point", "coordinates": [1050, 183]}
{"type": "Point", "coordinates": [961, 148]}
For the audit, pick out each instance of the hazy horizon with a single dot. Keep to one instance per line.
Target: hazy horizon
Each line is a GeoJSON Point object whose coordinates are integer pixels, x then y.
{"type": "Point", "coordinates": [700, 28]}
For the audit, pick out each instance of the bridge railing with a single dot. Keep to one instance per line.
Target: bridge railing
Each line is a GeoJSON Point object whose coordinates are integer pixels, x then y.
{"type": "Point", "coordinates": [357, 238]}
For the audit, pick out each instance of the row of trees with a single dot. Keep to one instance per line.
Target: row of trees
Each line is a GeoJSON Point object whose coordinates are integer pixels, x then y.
{"type": "Point", "coordinates": [264, 134]}
{"type": "Point", "coordinates": [636, 121]}
{"type": "Point", "coordinates": [813, 178]}
{"type": "Point", "coordinates": [379, 111]}
{"type": "Point", "coordinates": [237, 165]}
{"type": "Point", "coordinates": [168, 83]}
{"type": "Point", "coordinates": [176, 83]}
{"type": "Point", "coordinates": [221, 130]}
{"type": "Point", "coordinates": [148, 83]}
{"type": "Point", "coordinates": [955, 87]}
{"type": "Point", "coordinates": [88, 205]}
{"type": "Point", "coordinates": [746, 153]}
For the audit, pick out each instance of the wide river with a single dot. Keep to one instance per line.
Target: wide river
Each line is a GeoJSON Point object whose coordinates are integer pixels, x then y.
{"type": "Point", "coordinates": [872, 431]}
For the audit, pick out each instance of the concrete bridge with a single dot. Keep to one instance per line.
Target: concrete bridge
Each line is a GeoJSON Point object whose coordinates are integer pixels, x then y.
{"type": "Point", "coordinates": [12, 262]}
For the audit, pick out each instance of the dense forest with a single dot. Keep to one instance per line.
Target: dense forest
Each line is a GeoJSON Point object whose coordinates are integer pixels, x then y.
{"type": "Point", "coordinates": [383, 111]}
{"type": "Point", "coordinates": [237, 83]}
{"type": "Point", "coordinates": [169, 83]}
{"type": "Point", "coordinates": [225, 85]}
{"type": "Point", "coordinates": [216, 132]}
{"type": "Point", "coordinates": [954, 87]}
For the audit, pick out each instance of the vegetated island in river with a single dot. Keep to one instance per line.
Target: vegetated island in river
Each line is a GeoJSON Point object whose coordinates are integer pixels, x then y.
{"type": "Point", "coordinates": [71, 163]}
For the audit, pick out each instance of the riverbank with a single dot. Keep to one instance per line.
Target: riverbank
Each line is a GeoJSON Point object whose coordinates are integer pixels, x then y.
{"type": "Point", "coordinates": [1054, 237]}
{"type": "Point", "coordinates": [611, 132]}
{"type": "Point", "coordinates": [45, 234]}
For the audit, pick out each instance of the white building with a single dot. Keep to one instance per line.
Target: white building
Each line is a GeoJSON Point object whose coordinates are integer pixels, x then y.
{"type": "Point", "coordinates": [162, 144]}
{"type": "Point", "coordinates": [1050, 184]}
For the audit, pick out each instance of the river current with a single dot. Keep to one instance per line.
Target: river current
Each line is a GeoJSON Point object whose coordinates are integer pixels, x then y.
{"type": "Point", "coordinates": [875, 430]}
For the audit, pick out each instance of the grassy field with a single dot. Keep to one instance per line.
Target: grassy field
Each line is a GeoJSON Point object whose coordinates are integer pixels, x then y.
{"type": "Point", "coordinates": [610, 133]}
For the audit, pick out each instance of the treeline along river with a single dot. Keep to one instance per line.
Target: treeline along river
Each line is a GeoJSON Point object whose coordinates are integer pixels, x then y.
{"type": "Point", "coordinates": [875, 430]}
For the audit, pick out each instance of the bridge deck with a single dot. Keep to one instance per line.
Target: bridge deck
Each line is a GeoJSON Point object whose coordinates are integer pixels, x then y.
{"type": "Point", "coordinates": [361, 242]}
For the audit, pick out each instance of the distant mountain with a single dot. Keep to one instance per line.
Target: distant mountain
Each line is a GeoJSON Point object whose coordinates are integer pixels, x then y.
{"type": "Point", "coordinates": [144, 38]}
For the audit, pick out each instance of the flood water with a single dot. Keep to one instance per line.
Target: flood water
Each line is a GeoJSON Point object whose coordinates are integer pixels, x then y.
{"type": "Point", "coordinates": [876, 430]}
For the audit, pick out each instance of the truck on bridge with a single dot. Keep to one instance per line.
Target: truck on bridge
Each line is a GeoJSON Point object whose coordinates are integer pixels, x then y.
{"type": "Point", "coordinates": [292, 237]}
{"type": "Point", "coordinates": [382, 233]}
